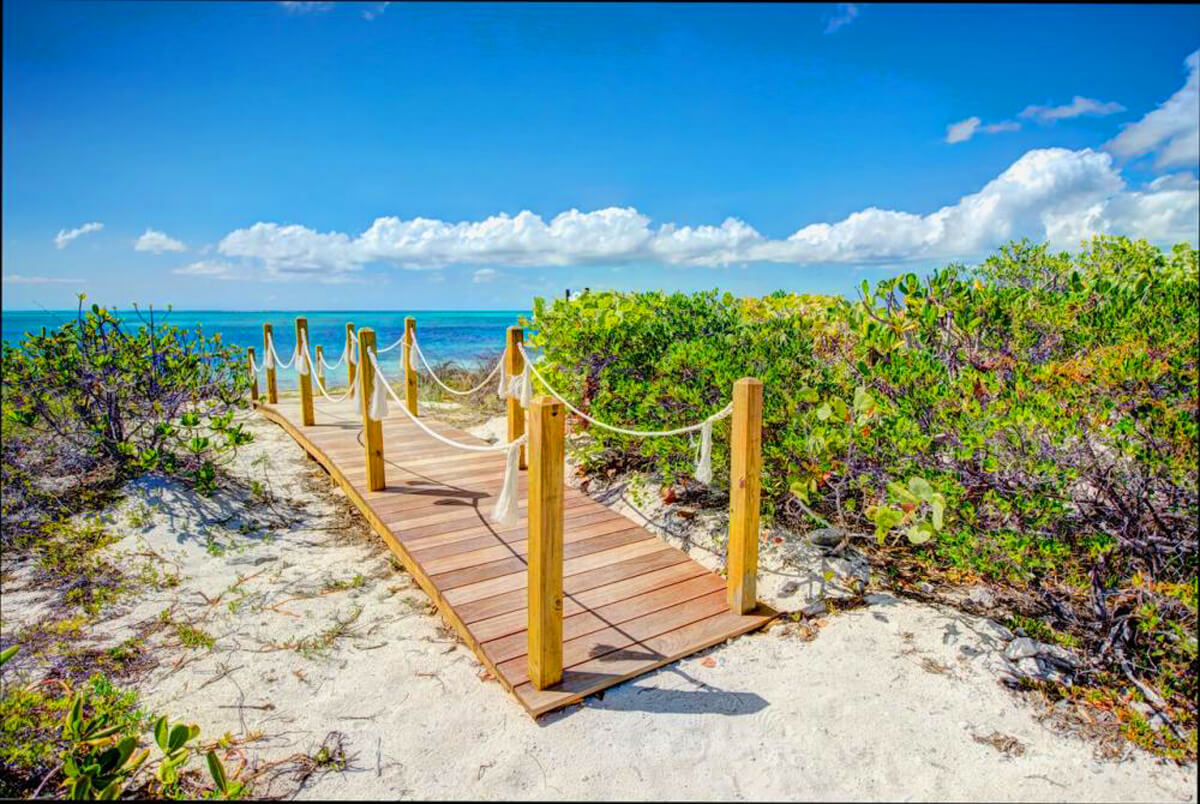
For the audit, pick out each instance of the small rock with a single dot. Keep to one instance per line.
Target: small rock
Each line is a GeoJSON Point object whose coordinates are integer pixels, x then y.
{"type": "Point", "coordinates": [825, 537]}
{"type": "Point", "coordinates": [1058, 655]}
{"type": "Point", "coordinates": [925, 587]}
{"type": "Point", "coordinates": [1029, 667]}
{"type": "Point", "coordinates": [814, 609]}
{"type": "Point", "coordinates": [847, 569]}
{"type": "Point", "coordinates": [998, 631]}
{"type": "Point", "coordinates": [1021, 648]}
{"type": "Point", "coordinates": [982, 596]}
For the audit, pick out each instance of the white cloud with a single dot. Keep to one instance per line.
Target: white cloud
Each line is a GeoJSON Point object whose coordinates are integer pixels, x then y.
{"type": "Point", "coordinates": [294, 7]}
{"type": "Point", "coordinates": [1050, 194]}
{"type": "Point", "coordinates": [18, 279]}
{"type": "Point", "coordinates": [484, 275]}
{"type": "Point", "coordinates": [157, 242]}
{"type": "Point", "coordinates": [376, 11]}
{"type": "Point", "coordinates": [1172, 130]}
{"type": "Point", "coordinates": [844, 15]}
{"type": "Point", "coordinates": [966, 129]}
{"type": "Point", "coordinates": [1078, 107]}
{"type": "Point", "coordinates": [64, 236]}
{"type": "Point", "coordinates": [213, 269]}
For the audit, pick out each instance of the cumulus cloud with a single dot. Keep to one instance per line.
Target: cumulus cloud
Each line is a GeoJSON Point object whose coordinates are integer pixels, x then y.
{"type": "Point", "coordinates": [966, 129]}
{"type": "Point", "coordinates": [1078, 107]}
{"type": "Point", "coordinates": [18, 279]}
{"type": "Point", "coordinates": [65, 236]}
{"type": "Point", "coordinates": [484, 275]}
{"type": "Point", "coordinates": [157, 242]}
{"type": "Point", "coordinates": [1172, 131]}
{"type": "Point", "coordinates": [844, 15]}
{"type": "Point", "coordinates": [1052, 194]}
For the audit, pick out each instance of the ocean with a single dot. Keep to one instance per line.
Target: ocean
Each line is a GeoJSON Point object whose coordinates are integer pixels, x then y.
{"type": "Point", "coordinates": [465, 336]}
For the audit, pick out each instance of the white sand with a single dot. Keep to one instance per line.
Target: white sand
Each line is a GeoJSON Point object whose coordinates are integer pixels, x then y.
{"type": "Point", "coordinates": [883, 704]}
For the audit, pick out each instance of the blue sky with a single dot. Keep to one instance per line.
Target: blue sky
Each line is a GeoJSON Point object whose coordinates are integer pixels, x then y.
{"type": "Point", "coordinates": [372, 155]}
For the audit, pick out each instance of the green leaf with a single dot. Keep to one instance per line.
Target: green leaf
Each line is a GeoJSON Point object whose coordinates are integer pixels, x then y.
{"type": "Point", "coordinates": [161, 733]}
{"type": "Point", "coordinates": [179, 735]}
{"type": "Point", "coordinates": [937, 504]}
{"type": "Point", "coordinates": [8, 653]}
{"type": "Point", "coordinates": [824, 412]}
{"type": "Point", "coordinates": [920, 488]}
{"type": "Point", "coordinates": [217, 771]}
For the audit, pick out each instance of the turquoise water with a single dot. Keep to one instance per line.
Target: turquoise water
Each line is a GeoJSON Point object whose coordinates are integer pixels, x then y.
{"type": "Point", "coordinates": [465, 336]}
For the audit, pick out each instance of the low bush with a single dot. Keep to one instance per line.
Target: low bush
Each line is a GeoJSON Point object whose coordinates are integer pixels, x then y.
{"type": "Point", "coordinates": [1032, 421]}
{"type": "Point", "coordinates": [92, 403]}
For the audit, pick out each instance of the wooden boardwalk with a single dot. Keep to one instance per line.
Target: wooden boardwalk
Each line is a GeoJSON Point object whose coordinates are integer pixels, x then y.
{"type": "Point", "coordinates": [631, 602]}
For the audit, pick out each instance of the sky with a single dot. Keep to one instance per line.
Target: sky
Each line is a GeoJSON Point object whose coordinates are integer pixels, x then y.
{"type": "Point", "coordinates": [470, 156]}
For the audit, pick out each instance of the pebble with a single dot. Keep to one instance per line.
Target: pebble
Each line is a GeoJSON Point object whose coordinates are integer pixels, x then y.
{"type": "Point", "coordinates": [825, 537]}
{"type": "Point", "coordinates": [814, 609]}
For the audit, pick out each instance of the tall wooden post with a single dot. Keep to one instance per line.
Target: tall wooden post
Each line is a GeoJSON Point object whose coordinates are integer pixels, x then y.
{"type": "Point", "coordinates": [306, 405]}
{"type": "Point", "coordinates": [321, 368]}
{"type": "Point", "coordinates": [272, 387]}
{"type": "Point", "coordinates": [410, 374]}
{"type": "Point", "coordinates": [351, 369]}
{"type": "Point", "coordinates": [253, 376]}
{"type": "Point", "coordinates": [372, 431]}
{"type": "Point", "coordinates": [514, 365]}
{"type": "Point", "coordinates": [745, 485]}
{"type": "Point", "coordinates": [547, 419]}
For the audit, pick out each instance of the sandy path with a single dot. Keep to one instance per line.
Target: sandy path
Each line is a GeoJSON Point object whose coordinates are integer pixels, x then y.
{"type": "Point", "coordinates": [315, 631]}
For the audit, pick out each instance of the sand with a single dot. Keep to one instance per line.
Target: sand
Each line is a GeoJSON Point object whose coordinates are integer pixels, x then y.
{"type": "Point", "coordinates": [314, 630]}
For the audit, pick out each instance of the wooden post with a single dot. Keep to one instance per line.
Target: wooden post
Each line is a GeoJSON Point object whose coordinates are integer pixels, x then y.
{"type": "Point", "coordinates": [745, 485]}
{"type": "Point", "coordinates": [306, 405]}
{"type": "Point", "coordinates": [514, 365]}
{"type": "Point", "coordinates": [547, 419]}
{"type": "Point", "coordinates": [321, 368]}
{"type": "Point", "coordinates": [272, 387]}
{"type": "Point", "coordinates": [351, 369]}
{"type": "Point", "coordinates": [372, 431]}
{"type": "Point", "coordinates": [410, 374]}
{"type": "Point", "coordinates": [253, 376]}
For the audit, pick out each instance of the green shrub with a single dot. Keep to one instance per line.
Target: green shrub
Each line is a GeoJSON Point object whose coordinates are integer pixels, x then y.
{"type": "Point", "coordinates": [92, 403]}
{"type": "Point", "coordinates": [1032, 421]}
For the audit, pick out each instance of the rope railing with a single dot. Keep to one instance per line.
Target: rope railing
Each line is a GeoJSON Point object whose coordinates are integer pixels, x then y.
{"type": "Point", "coordinates": [539, 426]}
{"type": "Point", "coordinates": [703, 471]}
{"type": "Point", "coordinates": [429, 369]}
{"type": "Point", "coordinates": [505, 511]}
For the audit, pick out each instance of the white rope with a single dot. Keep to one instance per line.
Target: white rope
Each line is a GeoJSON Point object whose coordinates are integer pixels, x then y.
{"type": "Point", "coordinates": [273, 358]}
{"type": "Point", "coordinates": [399, 341]}
{"type": "Point", "coordinates": [505, 511]}
{"type": "Point", "coordinates": [428, 368]}
{"type": "Point", "coordinates": [301, 355]}
{"type": "Point", "coordinates": [703, 471]}
{"type": "Point", "coordinates": [254, 367]}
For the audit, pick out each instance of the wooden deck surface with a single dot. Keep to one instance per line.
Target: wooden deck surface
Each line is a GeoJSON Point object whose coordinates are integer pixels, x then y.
{"type": "Point", "coordinates": [631, 602]}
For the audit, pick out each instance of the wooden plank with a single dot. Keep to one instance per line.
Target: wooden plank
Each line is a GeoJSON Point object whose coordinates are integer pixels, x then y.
{"type": "Point", "coordinates": [506, 583]}
{"type": "Point", "coordinates": [546, 561]}
{"type": "Point", "coordinates": [372, 430]}
{"type": "Point", "coordinates": [605, 671]}
{"type": "Point", "coordinates": [490, 606]}
{"type": "Point", "coordinates": [453, 579]}
{"type": "Point", "coordinates": [625, 637]}
{"type": "Point", "coordinates": [410, 373]}
{"type": "Point", "coordinates": [514, 365]}
{"type": "Point", "coordinates": [513, 621]}
{"type": "Point", "coordinates": [745, 479]}
{"type": "Point", "coordinates": [590, 620]}
{"type": "Point", "coordinates": [305, 379]}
